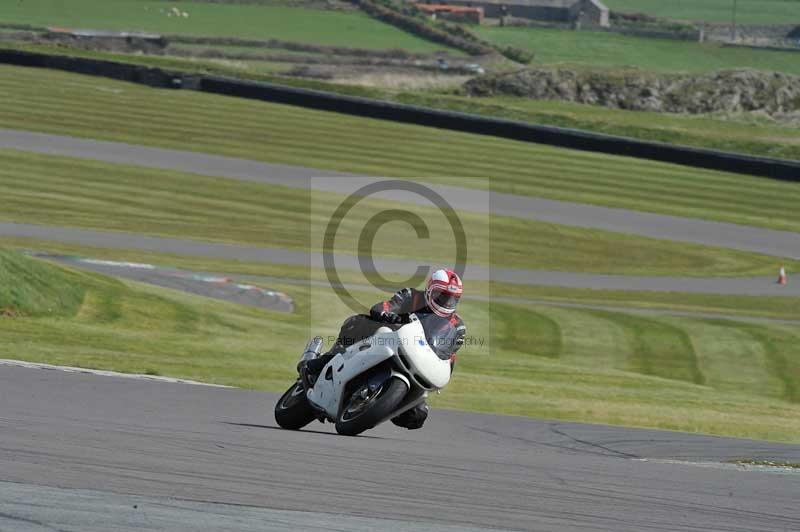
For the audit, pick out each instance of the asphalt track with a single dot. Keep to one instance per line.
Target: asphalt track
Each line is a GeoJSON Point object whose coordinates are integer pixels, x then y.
{"type": "Point", "coordinates": [211, 285]}
{"type": "Point", "coordinates": [747, 286]}
{"type": "Point", "coordinates": [85, 452]}
{"type": "Point", "coordinates": [770, 242]}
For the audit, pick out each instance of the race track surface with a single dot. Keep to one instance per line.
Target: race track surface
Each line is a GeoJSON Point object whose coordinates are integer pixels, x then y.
{"type": "Point", "coordinates": [129, 454]}
{"type": "Point", "coordinates": [749, 286]}
{"type": "Point", "coordinates": [216, 286]}
{"type": "Point", "coordinates": [186, 281]}
{"type": "Point", "coordinates": [771, 242]}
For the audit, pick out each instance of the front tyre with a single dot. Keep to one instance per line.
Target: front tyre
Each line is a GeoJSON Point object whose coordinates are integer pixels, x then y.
{"type": "Point", "coordinates": [292, 410]}
{"type": "Point", "coordinates": [366, 406]}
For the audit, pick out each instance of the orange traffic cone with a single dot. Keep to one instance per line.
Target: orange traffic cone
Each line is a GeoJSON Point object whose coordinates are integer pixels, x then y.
{"type": "Point", "coordinates": [782, 276]}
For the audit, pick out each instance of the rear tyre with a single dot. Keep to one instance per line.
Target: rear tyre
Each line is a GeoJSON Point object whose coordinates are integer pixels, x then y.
{"type": "Point", "coordinates": [292, 410]}
{"type": "Point", "coordinates": [366, 408]}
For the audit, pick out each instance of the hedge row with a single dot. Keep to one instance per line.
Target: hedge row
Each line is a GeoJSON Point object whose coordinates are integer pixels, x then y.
{"type": "Point", "coordinates": [411, 19]}
{"type": "Point", "coordinates": [411, 24]}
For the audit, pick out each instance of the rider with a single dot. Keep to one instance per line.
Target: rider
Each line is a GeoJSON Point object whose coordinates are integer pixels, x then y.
{"type": "Point", "coordinates": [436, 309]}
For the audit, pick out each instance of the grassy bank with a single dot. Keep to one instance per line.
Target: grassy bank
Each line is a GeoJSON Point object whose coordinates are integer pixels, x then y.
{"type": "Point", "coordinates": [601, 49]}
{"type": "Point", "coordinates": [712, 376]}
{"type": "Point", "coordinates": [737, 133]}
{"type": "Point", "coordinates": [83, 106]}
{"type": "Point", "coordinates": [313, 26]}
{"type": "Point", "coordinates": [31, 288]}
{"type": "Point", "coordinates": [747, 11]}
{"type": "Point", "coordinates": [83, 193]}
{"type": "Point", "coordinates": [778, 308]}
{"type": "Point", "coordinates": [672, 373]}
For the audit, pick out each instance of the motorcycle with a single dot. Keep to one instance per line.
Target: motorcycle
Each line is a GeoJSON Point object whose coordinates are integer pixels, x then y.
{"type": "Point", "coordinates": [372, 381]}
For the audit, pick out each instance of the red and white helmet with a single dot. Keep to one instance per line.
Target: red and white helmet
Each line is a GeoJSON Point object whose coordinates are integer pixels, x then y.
{"type": "Point", "coordinates": [443, 292]}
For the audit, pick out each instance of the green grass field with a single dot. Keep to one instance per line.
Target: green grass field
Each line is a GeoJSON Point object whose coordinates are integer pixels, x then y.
{"type": "Point", "coordinates": [742, 134]}
{"type": "Point", "coordinates": [83, 193]}
{"type": "Point", "coordinates": [31, 288]}
{"type": "Point", "coordinates": [600, 49]}
{"type": "Point", "coordinates": [84, 106]}
{"type": "Point", "coordinates": [747, 11]}
{"type": "Point", "coordinates": [752, 134]}
{"type": "Point", "coordinates": [779, 308]}
{"type": "Point", "coordinates": [323, 27]}
{"type": "Point", "coordinates": [714, 376]}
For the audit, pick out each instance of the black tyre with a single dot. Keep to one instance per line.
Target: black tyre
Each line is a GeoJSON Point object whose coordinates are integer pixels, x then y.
{"type": "Point", "coordinates": [292, 410]}
{"type": "Point", "coordinates": [366, 408]}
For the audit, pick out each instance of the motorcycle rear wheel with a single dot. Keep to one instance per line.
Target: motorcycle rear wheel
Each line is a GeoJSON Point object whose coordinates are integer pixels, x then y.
{"type": "Point", "coordinates": [366, 408]}
{"type": "Point", "coordinates": [292, 410]}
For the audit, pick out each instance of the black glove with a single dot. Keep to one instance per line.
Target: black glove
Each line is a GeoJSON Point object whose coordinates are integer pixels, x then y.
{"type": "Point", "coordinates": [461, 333]}
{"type": "Point", "coordinates": [391, 317]}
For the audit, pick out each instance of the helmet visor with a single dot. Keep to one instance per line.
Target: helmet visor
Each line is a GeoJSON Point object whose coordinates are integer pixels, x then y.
{"type": "Point", "coordinates": [444, 299]}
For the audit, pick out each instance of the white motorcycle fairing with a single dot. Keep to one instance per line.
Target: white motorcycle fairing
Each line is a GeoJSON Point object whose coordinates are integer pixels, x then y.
{"type": "Point", "coordinates": [420, 360]}
{"type": "Point", "coordinates": [422, 369]}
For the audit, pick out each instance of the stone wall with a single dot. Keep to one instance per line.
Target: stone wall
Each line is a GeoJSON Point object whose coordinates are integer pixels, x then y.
{"type": "Point", "coordinates": [753, 34]}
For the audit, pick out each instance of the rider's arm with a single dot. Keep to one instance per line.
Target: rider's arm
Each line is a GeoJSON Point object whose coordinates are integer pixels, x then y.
{"type": "Point", "coordinates": [458, 342]}
{"type": "Point", "coordinates": [400, 303]}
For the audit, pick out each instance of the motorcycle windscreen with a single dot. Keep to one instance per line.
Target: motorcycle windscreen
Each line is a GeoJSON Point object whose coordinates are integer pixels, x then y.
{"type": "Point", "coordinates": [440, 334]}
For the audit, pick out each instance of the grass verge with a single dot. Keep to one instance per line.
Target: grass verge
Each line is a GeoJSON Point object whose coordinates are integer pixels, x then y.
{"type": "Point", "coordinates": [778, 308]}
{"type": "Point", "coordinates": [601, 49]}
{"type": "Point", "coordinates": [742, 134]}
{"type": "Point", "coordinates": [573, 364]}
{"type": "Point", "coordinates": [89, 194]}
{"type": "Point", "coordinates": [764, 463]}
{"type": "Point", "coordinates": [70, 104]}
{"type": "Point", "coordinates": [31, 288]}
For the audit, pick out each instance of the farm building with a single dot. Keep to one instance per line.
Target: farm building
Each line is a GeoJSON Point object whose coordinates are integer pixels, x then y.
{"type": "Point", "coordinates": [472, 15]}
{"type": "Point", "coordinates": [592, 12]}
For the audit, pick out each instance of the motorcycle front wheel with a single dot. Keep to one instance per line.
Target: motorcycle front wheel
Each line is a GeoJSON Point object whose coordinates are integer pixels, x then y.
{"type": "Point", "coordinates": [366, 407]}
{"type": "Point", "coordinates": [292, 410]}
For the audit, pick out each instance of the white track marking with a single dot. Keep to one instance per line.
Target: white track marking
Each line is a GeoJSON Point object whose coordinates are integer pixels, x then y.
{"type": "Point", "coordinates": [734, 466]}
{"type": "Point", "coordinates": [103, 373]}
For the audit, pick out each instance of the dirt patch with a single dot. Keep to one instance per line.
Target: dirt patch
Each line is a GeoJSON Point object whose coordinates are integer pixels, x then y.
{"type": "Point", "coordinates": [399, 81]}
